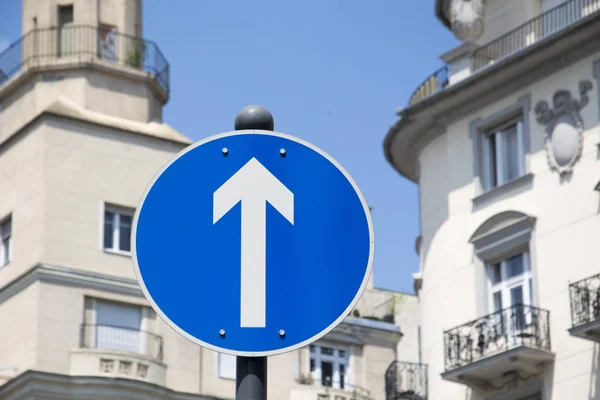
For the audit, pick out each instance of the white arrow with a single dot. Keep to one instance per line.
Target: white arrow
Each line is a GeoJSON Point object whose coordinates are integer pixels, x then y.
{"type": "Point", "coordinates": [253, 185]}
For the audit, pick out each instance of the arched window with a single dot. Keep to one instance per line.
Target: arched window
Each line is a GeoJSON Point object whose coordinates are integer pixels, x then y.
{"type": "Point", "coordinates": [502, 246]}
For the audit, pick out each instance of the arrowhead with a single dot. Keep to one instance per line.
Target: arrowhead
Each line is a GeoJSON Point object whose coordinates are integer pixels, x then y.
{"type": "Point", "coordinates": [253, 182]}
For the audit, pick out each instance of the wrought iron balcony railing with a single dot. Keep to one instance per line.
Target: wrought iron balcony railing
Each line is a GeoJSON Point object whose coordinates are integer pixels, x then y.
{"type": "Point", "coordinates": [77, 44]}
{"type": "Point", "coordinates": [117, 338]}
{"type": "Point", "coordinates": [532, 31]}
{"type": "Point", "coordinates": [544, 25]}
{"type": "Point", "coordinates": [406, 381]}
{"type": "Point", "coordinates": [512, 327]}
{"type": "Point", "coordinates": [435, 83]}
{"type": "Point", "coordinates": [585, 300]}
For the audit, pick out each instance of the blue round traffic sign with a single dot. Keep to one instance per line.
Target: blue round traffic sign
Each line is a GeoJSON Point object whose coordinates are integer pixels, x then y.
{"type": "Point", "coordinates": [253, 243]}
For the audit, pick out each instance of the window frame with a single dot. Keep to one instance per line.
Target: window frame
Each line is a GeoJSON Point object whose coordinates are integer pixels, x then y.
{"type": "Point", "coordinates": [524, 279]}
{"type": "Point", "coordinates": [336, 360]}
{"type": "Point", "coordinates": [118, 211]}
{"type": "Point", "coordinates": [6, 253]}
{"type": "Point", "coordinates": [481, 129]}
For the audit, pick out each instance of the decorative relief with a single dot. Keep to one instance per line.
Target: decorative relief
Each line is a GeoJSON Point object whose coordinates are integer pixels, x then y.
{"type": "Point", "coordinates": [106, 366]}
{"type": "Point", "coordinates": [564, 127]}
{"type": "Point", "coordinates": [466, 17]}
{"type": "Point", "coordinates": [142, 370]}
{"type": "Point", "coordinates": [125, 367]}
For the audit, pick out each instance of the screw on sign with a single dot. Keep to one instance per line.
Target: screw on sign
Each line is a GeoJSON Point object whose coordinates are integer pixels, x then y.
{"type": "Point", "coordinates": [253, 217]}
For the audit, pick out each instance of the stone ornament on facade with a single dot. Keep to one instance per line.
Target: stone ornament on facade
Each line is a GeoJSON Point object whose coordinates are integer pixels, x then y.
{"type": "Point", "coordinates": [106, 366]}
{"type": "Point", "coordinates": [564, 127]}
{"type": "Point", "coordinates": [466, 17]}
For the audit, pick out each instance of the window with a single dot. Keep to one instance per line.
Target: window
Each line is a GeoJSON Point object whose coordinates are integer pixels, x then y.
{"type": "Point", "coordinates": [501, 142]}
{"type": "Point", "coordinates": [510, 282]}
{"type": "Point", "coordinates": [5, 241]}
{"type": "Point", "coordinates": [328, 365]}
{"type": "Point", "coordinates": [118, 327]}
{"type": "Point", "coordinates": [66, 29]}
{"type": "Point", "coordinates": [107, 38]}
{"type": "Point", "coordinates": [226, 366]}
{"type": "Point", "coordinates": [503, 154]}
{"type": "Point", "coordinates": [117, 229]}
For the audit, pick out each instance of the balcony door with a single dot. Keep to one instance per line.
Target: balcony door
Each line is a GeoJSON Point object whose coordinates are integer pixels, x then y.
{"type": "Point", "coordinates": [66, 31]}
{"type": "Point", "coordinates": [118, 326]}
{"type": "Point", "coordinates": [511, 293]}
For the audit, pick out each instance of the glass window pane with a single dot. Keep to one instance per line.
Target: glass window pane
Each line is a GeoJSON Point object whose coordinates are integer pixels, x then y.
{"type": "Point", "coordinates": [497, 301]}
{"type": "Point", "coordinates": [108, 233]}
{"type": "Point", "coordinates": [125, 238]}
{"type": "Point", "coordinates": [312, 348]}
{"type": "Point", "coordinates": [342, 354]}
{"type": "Point", "coordinates": [327, 351]}
{"type": "Point", "coordinates": [342, 375]}
{"type": "Point", "coordinates": [5, 228]}
{"type": "Point", "coordinates": [109, 216]}
{"type": "Point", "coordinates": [326, 373]}
{"type": "Point", "coordinates": [312, 364]}
{"type": "Point", "coordinates": [493, 160]}
{"type": "Point", "coordinates": [516, 295]}
{"type": "Point", "coordinates": [495, 275]}
{"type": "Point", "coordinates": [514, 266]}
{"type": "Point", "coordinates": [511, 150]}
{"type": "Point", "coordinates": [125, 220]}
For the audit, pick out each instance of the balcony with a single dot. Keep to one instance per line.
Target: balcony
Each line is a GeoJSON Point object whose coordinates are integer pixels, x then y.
{"type": "Point", "coordinates": [80, 45]}
{"type": "Point", "coordinates": [512, 43]}
{"type": "Point", "coordinates": [515, 340]}
{"type": "Point", "coordinates": [119, 352]}
{"type": "Point", "coordinates": [406, 381]}
{"type": "Point", "coordinates": [585, 308]}
{"type": "Point", "coordinates": [307, 390]}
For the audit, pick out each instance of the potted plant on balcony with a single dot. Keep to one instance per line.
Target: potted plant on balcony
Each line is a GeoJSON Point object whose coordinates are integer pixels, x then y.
{"type": "Point", "coordinates": [135, 57]}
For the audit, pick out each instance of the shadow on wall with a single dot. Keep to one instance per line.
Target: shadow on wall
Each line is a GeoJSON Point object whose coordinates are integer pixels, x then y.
{"type": "Point", "coordinates": [595, 377]}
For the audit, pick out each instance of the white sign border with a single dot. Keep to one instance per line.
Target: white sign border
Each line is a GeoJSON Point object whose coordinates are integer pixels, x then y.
{"type": "Point", "coordinates": [281, 350]}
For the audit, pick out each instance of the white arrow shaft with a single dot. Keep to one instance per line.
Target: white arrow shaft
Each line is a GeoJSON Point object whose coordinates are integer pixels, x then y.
{"type": "Point", "coordinates": [253, 265]}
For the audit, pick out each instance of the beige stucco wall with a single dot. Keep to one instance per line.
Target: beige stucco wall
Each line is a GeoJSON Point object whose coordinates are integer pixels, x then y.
{"type": "Point", "coordinates": [563, 247]}
{"type": "Point", "coordinates": [18, 332]}
{"type": "Point", "coordinates": [22, 196]}
{"type": "Point", "coordinates": [86, 165]}
{"type": "Point", "coordinates": [125, 15]}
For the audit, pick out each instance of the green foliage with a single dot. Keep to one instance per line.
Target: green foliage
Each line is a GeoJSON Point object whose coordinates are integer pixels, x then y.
{"type": "Point", "coordinates": [136, 55]}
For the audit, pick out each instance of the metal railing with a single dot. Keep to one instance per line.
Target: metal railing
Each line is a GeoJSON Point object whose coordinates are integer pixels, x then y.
{"type": "Point", "coordinates": [544, 25]}
{"type": "Point", "coordinates": [585, 300]}
{"type": "Point", "coordinates": [435, 83]}
{"type": "Point", "coordinates": [519, 325]}
{"type": "Point", "coordinates": [406, 381]}
{"type": "Point", "coordinates": [534, 30]}
{"type": "Point", "coordinates": [83, 44]}
{"type": "Point", "coordinates": [118, 338]}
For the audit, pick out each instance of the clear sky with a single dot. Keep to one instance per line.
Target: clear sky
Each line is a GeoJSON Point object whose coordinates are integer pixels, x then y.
{"type": "Point", "coordinates": [332, 72]}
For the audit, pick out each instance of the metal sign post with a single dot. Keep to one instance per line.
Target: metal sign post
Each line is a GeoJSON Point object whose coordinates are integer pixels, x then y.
{"type": "Point", "coordinates": [251, 372]}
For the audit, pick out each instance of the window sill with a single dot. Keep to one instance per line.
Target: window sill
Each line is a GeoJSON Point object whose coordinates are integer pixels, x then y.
{"type": "Point", "coordinates": [226, 378]}
{"type": "Point", "coordinates": [118, 252]}
{"type": "Point", "coordinates": [507, 189]}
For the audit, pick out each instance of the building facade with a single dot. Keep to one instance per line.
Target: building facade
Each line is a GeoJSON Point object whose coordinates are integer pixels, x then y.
{"type": "Point", "coordinates": [81, 135]}
{"type": "Point", "coordinates": [503, 144]}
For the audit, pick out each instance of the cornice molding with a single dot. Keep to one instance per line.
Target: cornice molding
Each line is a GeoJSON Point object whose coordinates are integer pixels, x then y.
{"type": "Point", "coordinates": [70, 277]}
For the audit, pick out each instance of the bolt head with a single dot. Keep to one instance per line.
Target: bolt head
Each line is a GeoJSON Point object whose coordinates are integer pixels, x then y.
{"type": "Point", "coordinates": [282, 152]}
{"type": "Point", "coordinates": [222, 332]}
{"type": "Point", "coordinates": [225, 151]}
{"type": "Point", "coordinates": [281, 332]}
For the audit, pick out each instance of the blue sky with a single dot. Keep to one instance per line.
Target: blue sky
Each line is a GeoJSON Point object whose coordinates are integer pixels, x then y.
{"type": "Point", "coordinates": [332, 72]}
